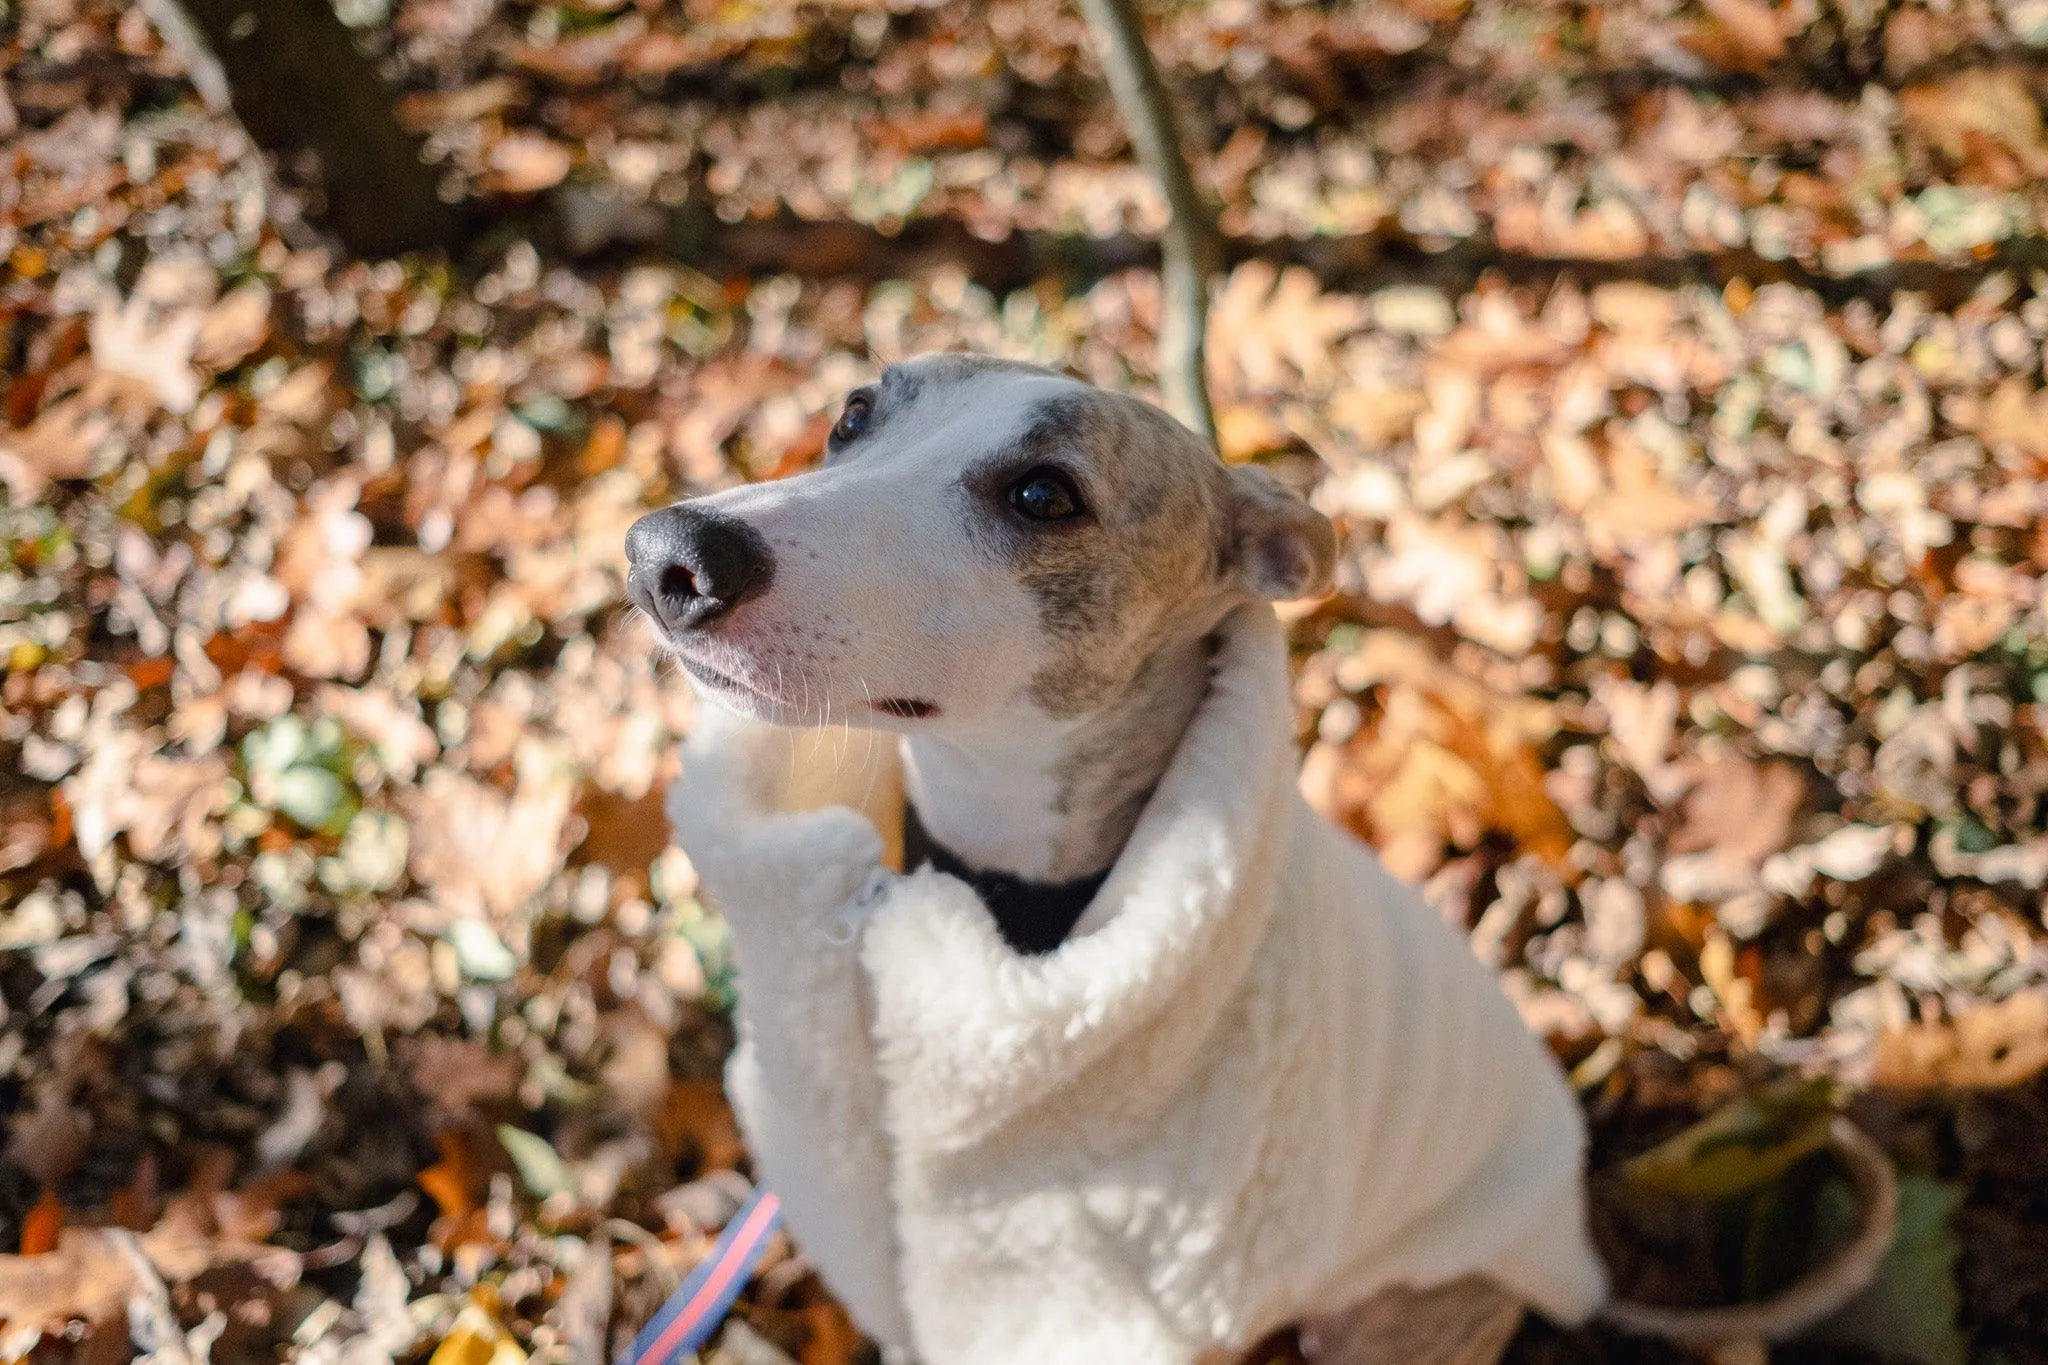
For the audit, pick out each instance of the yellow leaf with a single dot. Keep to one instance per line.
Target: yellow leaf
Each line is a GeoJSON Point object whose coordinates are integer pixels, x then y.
{"type": "Point", "coordinates": [478, 1338]}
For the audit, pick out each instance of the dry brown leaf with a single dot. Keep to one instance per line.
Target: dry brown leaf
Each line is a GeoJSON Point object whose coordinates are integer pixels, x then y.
{"type": "Point", "coordinates": [920, 133]}
{"type": "Point", "coordinates": [1445, 762]}
{"type": "Point", "coordinates": [1639, 509]}
{"type": "Point", "coordinates": [474, 848]}
{"type": "Point", "coordinates": [59, 444]}
{"type": "Point", "coordinates": [85, 1276]}
{"type": "Point", "coordinates": [161, 804]}
{"type": "Point", "coordinates": [1244, 430]}
{"type": "Point", "coordinates": [424, 110]}
{"type": "Point", "coordinates": [449, 1181]}
{"type": "Point", "coordinates": [1740, 809]}
{"type": "Point", "coordinates": [404, 740]}
{"type": "Point", "coordinates": [1985, 121]}
{"type": "Point", "coordinates": [149, 348]}
{"type": "Point", "coordinates": [234, 327]}
{"type": "Point", "coordinates": [695, 1118]}
{"type": "Point", "coordinates": [42, 1225]}
{"type": "Point", "coordinates": [1986, 1048]}
{"type": "Point", "coordinates": [523, 163]}
{"type": "Point", "coordinates": [27, 829]}
{"type": "Point", "coordinates": [2015, 416]}
{"type": "Point", "coordinates": [1275, 329]}
{"type": "Point", "coordinates": [1740, 35]}
{"type": "Point", "coordinates": [1915, 38]}
{"type": "Point", "coordinates": [89, 1276]}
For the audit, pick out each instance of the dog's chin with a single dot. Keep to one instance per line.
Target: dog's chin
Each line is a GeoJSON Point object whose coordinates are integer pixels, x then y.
{"type": "Point", "coordinates": [737, 695]}
{"type": "Point", "coordinates": [733, 688]}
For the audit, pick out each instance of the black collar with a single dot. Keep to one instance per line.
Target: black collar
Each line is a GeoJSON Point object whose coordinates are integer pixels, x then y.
{"type": "Point", "coordinates": [1033, 917]}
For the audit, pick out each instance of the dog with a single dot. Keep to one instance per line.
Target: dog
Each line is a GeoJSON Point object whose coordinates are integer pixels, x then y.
{"type": "Point", "coordinates": [1067, 1032]}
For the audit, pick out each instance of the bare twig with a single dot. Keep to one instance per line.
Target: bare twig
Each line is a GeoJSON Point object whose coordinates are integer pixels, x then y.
{"type": "Point", "coordinates": [1188, 249]}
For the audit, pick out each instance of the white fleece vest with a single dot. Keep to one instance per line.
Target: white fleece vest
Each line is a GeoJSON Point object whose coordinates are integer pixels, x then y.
{"type": "Point", "coordinates": [1262, 1081]}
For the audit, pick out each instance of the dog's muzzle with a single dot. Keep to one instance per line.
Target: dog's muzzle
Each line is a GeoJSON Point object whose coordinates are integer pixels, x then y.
{"type": "Point", "coordinates": [691, 565]}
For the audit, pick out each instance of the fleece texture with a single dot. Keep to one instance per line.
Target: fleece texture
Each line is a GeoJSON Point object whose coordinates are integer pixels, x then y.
{"type": "Point", "coordinates": [1263, 1080]}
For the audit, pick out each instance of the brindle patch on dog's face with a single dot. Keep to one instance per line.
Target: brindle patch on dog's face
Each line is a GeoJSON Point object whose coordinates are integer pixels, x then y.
{"type": "Point", "coordinates": [911, 593]}
{"type": "Point", "coordinates": [1140, 564]}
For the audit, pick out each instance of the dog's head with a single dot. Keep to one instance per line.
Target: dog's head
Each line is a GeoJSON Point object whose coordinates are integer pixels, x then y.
{"type": "Point", "coordinates": [986, 540]}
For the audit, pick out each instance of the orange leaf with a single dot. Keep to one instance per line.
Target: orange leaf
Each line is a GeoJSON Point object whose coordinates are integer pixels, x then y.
{"type": "Point", "coordinates": [447, 1181]}
{"type": "Point", "coordinates": [605, 448]}
{"type": "Point", "coordinates": [695, 1115]}
{"type": "Point", "coordinates": [833, 1340]}
{"type": "Point", "coordinates": [133, 1206]}
{"type": "Point", "coordinates": [39, 1230]}
{"type": "Point", "coordinates": [148, 673]}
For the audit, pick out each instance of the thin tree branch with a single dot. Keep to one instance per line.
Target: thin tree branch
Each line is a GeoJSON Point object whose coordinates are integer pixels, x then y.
{"type": "Point", "coordinates": [1188, 248]}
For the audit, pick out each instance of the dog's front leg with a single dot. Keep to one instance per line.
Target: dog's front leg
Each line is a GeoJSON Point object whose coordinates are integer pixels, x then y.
{"type": "Point", "coordinates": [1466, 1322]}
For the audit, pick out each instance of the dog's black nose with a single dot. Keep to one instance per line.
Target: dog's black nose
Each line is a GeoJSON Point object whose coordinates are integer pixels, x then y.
{"type": "Point", "coordinates": [690, 565]}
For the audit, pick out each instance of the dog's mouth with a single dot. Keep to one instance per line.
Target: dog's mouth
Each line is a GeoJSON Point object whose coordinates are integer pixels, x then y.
{"type": "Point", "coordinates": [726, 682]}
{"type": "Point", "coordinates": [738, 688]}
{"type": "Point", "coordinates": [905, 708]}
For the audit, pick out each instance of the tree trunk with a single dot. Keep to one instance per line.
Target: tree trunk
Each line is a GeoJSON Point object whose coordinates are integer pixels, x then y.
{"type": "Point", "coordinates": [300, 84]}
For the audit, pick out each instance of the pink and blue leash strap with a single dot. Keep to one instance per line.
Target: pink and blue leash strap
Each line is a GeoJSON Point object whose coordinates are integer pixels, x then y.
{"type": "Point", "coordinates": [696, 1309]}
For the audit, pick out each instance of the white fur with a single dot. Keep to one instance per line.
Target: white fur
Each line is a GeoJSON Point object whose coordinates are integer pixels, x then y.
{"type": "Point", "coordinates": [1270, 1084]}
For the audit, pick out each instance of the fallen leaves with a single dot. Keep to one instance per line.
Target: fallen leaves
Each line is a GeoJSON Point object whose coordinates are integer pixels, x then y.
{"type": "Point", "coordinates": [1439, 765]}
{"type": "Point", "coordinates": [1689, 641]}
{"type": "Point", "coordinates": [1986, 1047]}
{"type": "Point", "coordinates": [483, 851]}
{"type": "Point", "coordinates": [1743, 35]}
{"type": "Point", "coordinates": [162, 806]}
{"type": "Point", "coordinates": [1986, 122]}
{"type": "Point", "coordinates": [91, 1273]}
{"type": "Point", "coordinates": [43, 1226]}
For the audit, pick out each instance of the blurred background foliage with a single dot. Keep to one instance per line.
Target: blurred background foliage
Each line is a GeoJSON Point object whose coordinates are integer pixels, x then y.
{"type": "Point", "coordinates": [1673, 369]}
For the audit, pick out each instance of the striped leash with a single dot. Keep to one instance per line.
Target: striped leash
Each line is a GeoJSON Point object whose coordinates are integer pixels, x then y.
{"type": "Point", "coordinates": [694, 1311]}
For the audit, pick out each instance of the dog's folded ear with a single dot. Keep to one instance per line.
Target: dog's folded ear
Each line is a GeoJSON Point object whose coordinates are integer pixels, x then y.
{"type": "Point", "coordinates": [1280, 547]}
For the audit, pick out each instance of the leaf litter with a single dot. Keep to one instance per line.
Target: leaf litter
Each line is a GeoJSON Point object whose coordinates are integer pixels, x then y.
{"type": "Point", "coordinates": [1688, 646]}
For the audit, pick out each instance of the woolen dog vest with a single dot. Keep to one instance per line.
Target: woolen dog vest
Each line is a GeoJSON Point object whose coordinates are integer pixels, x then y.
{"type": "Point", "coordinates": [1261, 1080]}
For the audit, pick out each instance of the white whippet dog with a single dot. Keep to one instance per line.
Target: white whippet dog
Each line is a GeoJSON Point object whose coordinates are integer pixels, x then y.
{"type": "Point", "coordinates": [1134, 1060]}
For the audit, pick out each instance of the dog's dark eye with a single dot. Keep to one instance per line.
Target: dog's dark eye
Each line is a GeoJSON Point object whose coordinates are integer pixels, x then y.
{"type": "Point", "coordinates": [1045, 495]}
{"type": "Point", "coordinates": [853, 420]}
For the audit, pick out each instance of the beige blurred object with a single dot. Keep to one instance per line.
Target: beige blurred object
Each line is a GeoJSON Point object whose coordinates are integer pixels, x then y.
{"type": "Point", "coordinates": [1466, 1322]}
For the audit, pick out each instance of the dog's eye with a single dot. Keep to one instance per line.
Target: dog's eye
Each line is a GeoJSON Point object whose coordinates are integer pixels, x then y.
{"type": "Point", "coordinates": [1045, 495]}
{"type": "Point", "coordinates": [853, 420]}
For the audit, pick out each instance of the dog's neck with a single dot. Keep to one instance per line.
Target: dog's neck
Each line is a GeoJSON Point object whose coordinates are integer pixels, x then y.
{"type": "Point", "coordinates": [1056, 801]}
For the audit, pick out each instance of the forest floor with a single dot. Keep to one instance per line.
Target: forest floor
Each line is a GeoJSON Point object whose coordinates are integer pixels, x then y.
{"type": "Point", "coordinates": [1674, 372]}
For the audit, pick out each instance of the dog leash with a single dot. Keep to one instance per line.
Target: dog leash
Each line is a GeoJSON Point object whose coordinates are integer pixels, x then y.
{"type": "Point", "coordinates": [696, 1309]}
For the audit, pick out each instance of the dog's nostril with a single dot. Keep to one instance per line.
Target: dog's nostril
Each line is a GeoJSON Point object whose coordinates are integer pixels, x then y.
{"type": "Point", "coordinates": [677, 582]}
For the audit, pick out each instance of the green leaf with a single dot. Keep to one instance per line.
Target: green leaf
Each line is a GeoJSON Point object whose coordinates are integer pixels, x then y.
{"type": "Point", "coordinates": [276, 746]}
{"type": "Point", "coordinates": [1973, 837]}
{"type": "Point", "coordinates": [1746, 1143]}
{"type": "Point", "coordinates": [323, 744]}
{"type": "Point", "coordinates": [1910, 1310]}
{"type": "Point", "coordinates": [479, 952]}
{"type": "Point", "coordinates": [548, 415]}
{"type": "Point", "coordinates": [314, 797]}
{"type": "Point", "coordinates": [540, 1169]}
